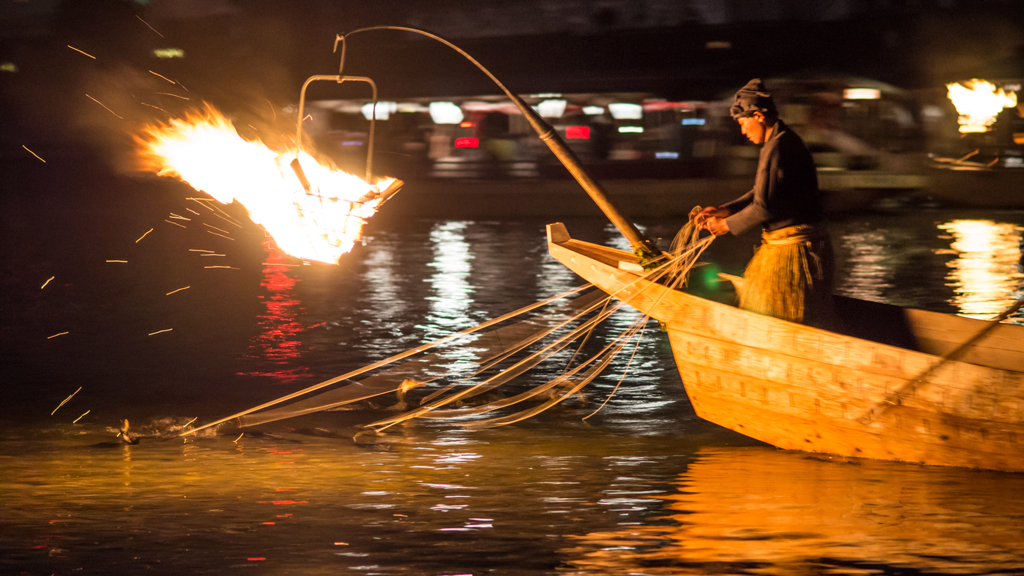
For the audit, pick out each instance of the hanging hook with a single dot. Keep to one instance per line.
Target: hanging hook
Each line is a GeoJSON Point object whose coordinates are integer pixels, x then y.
{"type": "Point", "coordinates": [340, 38]}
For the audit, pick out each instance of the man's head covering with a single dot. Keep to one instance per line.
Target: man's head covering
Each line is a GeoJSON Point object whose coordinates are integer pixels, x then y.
{"type": "Point", "coordinates": [754, 97]}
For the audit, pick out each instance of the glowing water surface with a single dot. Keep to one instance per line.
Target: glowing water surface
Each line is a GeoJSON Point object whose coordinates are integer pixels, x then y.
{"type": "Point", "coordinates": [644, 487]}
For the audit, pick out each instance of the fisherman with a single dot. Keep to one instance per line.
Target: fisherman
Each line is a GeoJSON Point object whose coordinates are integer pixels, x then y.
{"type": "Point", "coordinates": [791, 274]}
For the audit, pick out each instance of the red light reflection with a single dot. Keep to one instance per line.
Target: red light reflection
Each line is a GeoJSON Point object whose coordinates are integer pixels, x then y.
{"type": "Point", "coordinates": [276, 345]}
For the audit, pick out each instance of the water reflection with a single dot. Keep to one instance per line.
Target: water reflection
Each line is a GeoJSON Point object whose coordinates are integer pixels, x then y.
{"type": "Point", "coordinates": [616, 239]}
{"type": "Point", "coordinates": [452, 298]}
{"type": "Point", "coordinates": [762, 511]}
{"type": "Point", "coordinates": [882, 261]}
{"type": "Point", "coordinates": [555, 278]}
{"type": "Point", "coordinates": [276, 344]}
{"type": "Point", "coordinates": [640, 486]}
{"type": "Point", "coordinates": [382, 278]}
{"type": "Point", "coordinates": [986, 275]}
{"type": "Point", "coordinates": [387, 294]}
{"type": "Point", "coordinates": [868, 277]}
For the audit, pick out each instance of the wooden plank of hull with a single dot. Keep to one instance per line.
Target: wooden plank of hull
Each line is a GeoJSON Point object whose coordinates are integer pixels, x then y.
{"type": "Point", "coordinates": [762, 410]}
{"type": "Point", "coordinates": [940, 333]}
{"type": "Point", "coordinates": [979, 394]}
{"type": "Point", "coordinates": [801, 388]}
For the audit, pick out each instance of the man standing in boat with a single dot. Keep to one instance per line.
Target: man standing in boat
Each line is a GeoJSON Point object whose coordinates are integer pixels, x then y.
{"type": "Point", "coordinates": [791, 274]}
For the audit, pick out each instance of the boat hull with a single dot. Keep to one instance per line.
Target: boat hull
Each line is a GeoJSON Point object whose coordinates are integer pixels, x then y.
{"type": "Point", "coordinates": [801, 388]}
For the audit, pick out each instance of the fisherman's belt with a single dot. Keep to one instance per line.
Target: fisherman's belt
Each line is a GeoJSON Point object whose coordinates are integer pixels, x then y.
{"type": "Point", "coordinates": [799, 234]}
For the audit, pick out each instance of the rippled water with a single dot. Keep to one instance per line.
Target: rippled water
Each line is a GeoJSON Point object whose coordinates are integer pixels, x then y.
{"type": "Point", "coordinates": [644, 487]}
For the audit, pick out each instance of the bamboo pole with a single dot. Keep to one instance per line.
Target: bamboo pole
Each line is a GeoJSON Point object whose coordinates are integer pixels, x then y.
{"type": "Point", "coordinates": [641, 245]}
{"type": "Point", "coordinates": [567, 157]}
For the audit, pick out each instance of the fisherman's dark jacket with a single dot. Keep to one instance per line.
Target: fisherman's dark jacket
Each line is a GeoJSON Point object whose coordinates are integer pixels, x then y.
{"type": "Point", "coordinates": [785, 189]}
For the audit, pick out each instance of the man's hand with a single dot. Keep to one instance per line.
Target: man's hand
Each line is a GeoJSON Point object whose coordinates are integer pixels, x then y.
{"type": "Point", "coordinates": [716, 225]}
{"type": "Point", "coordinates": [702, 217]}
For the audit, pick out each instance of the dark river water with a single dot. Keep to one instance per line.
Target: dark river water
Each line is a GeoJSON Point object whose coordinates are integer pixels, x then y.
{"type": "Point", "coordinates": [643, 487]}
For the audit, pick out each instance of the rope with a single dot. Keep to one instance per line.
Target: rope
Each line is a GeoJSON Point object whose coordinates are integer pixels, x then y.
{"type": "Point", "coordinates": [686, 249]}
{"type": "Point", "coordinates": [394, 358]}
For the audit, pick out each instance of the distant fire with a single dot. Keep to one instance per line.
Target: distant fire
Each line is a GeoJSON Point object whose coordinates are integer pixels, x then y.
{"type": "Point", "coordinates": [205, 151]}
{"type": "Point", "coordinates": [978, 102]}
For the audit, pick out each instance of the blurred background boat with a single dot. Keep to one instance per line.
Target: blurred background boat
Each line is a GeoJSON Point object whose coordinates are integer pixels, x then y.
{"type": "Point", "coordinates": [640, 91]}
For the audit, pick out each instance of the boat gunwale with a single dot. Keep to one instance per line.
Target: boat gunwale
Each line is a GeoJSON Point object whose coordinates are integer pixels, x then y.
{"type": "Point", "coordinates": [612, 256]}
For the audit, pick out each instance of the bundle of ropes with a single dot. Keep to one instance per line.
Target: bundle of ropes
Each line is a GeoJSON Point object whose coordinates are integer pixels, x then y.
{"type": "Point", "coordinates": [502, 355]}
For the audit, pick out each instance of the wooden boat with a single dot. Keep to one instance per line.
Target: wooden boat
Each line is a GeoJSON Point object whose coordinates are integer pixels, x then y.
{"type": "Point", "coordinates": [802, 388]}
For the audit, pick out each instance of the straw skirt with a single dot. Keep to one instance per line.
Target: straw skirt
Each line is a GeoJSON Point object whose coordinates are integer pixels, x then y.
{"type": "Point", "coordinates": [791, 276]}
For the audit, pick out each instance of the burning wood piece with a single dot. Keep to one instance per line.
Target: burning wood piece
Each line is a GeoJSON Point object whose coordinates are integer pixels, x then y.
{"type": "Point", "coordinates": [301, 175]}
{"type": "Point", "coordinates": [382, 196]}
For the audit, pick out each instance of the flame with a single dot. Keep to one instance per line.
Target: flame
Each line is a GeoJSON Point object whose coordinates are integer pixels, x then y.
{"type": "Point", "coordinates": [978, 103]}
{"type": "Point", "coordinates": [205, 151]}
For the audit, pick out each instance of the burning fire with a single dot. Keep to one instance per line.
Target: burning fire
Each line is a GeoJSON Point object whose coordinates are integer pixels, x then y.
{"type": "Point", "coordinates": [205, 151]}
{"type": "Point", "coordinates": [978, 103]}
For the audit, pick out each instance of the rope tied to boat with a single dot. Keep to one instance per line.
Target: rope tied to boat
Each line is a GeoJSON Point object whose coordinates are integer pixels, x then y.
{"type": "Point", "coordinates": [503, 355]}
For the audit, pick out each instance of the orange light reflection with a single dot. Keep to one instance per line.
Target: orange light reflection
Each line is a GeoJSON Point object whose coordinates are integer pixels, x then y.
{"type": "Point", "coordinates": [785, 513]}
{"type": "Point", "coordinates": [986, 275]}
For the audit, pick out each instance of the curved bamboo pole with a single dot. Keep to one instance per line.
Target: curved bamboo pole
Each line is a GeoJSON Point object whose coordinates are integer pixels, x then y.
{"type": "Point", "coordinates": [643, 246]}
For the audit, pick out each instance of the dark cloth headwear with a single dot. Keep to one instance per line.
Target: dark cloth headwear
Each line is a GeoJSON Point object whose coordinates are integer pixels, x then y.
{"type": "Point", "coordinates": [754, 97]}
